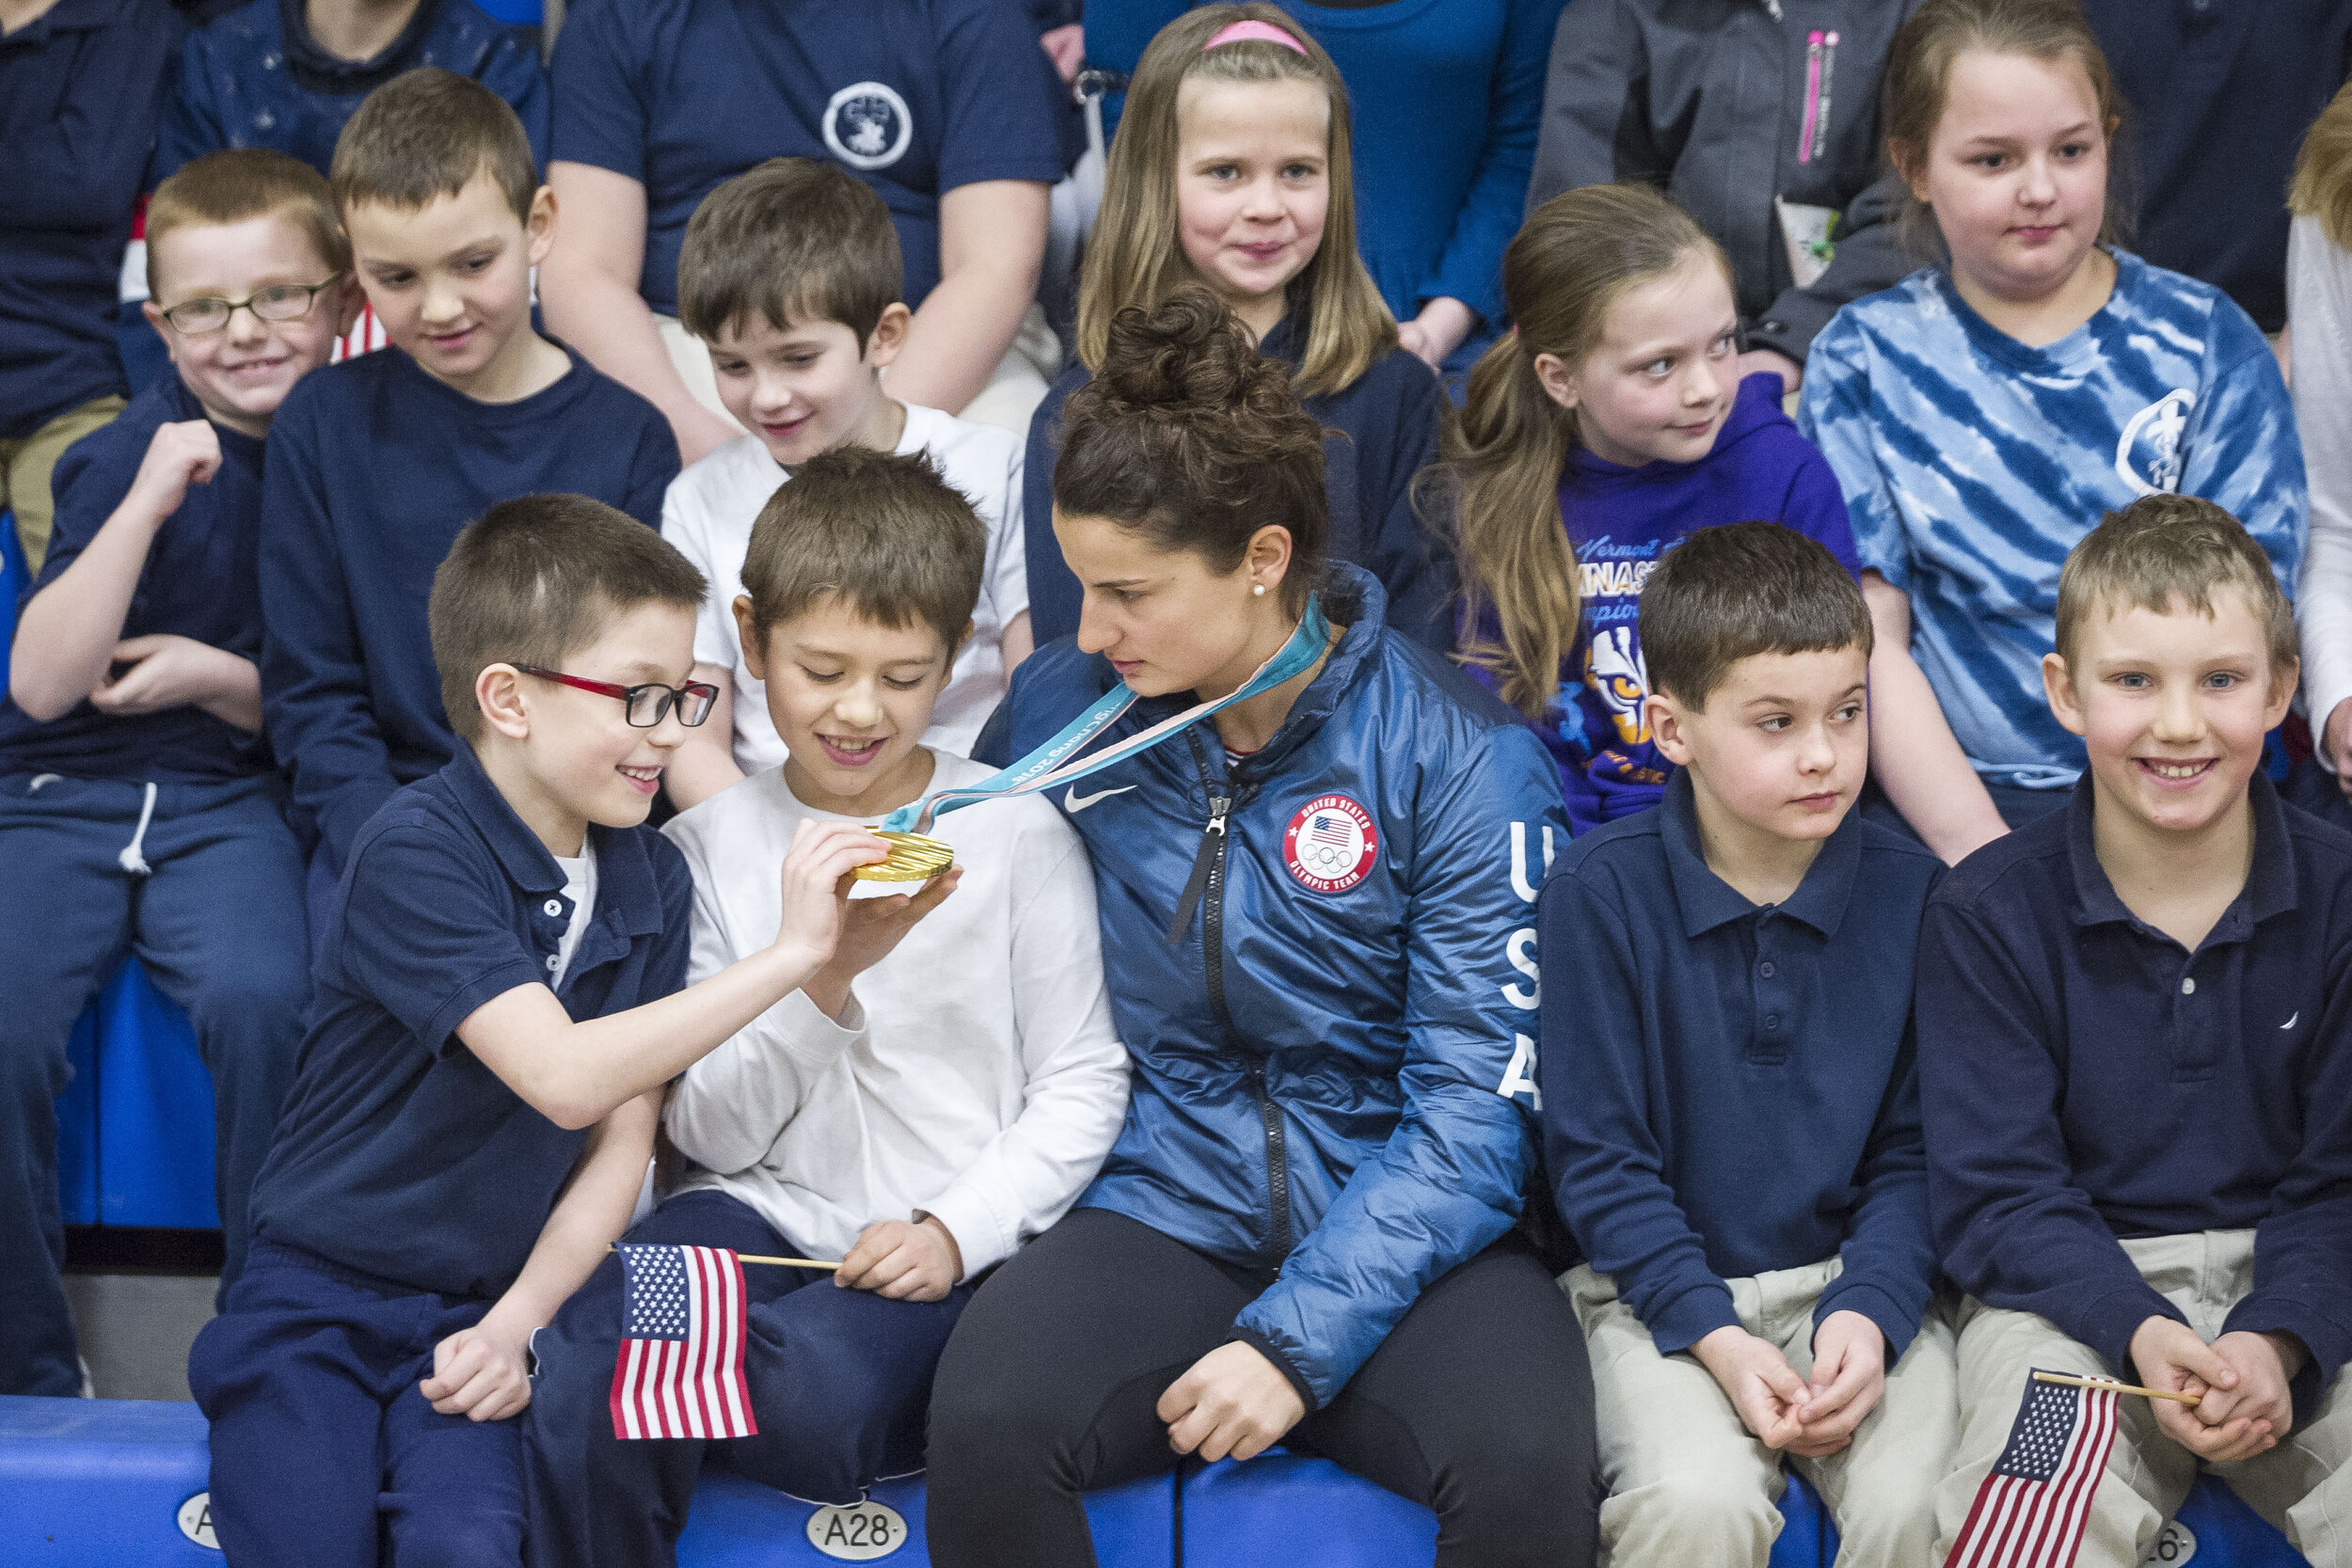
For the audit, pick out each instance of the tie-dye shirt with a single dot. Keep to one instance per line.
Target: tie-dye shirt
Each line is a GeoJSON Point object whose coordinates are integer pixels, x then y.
{"type": "Point", "coordinates": [1972, 464]}
{"type": "Point", "coordinates": [1621, 521]}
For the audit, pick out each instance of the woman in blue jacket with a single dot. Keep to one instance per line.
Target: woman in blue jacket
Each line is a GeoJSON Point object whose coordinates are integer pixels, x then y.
{"type": "Point", "coordinates": [1317, 916]}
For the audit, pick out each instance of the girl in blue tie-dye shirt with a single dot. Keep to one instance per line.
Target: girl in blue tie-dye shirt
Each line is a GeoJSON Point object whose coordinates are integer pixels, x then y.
{"type": "Point", "coordinates": [1983, 415]}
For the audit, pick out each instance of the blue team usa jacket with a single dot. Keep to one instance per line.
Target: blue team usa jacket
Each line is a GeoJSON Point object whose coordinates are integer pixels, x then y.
{"type": "Point", "coordinates": [1333, 1034]}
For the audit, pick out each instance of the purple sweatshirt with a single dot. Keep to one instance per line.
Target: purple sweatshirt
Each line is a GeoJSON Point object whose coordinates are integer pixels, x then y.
{"type": "Point", "coordinates": [1621, 521]}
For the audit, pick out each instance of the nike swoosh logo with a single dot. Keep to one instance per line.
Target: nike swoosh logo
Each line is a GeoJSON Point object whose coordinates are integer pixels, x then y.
{"type": "Point", "coordinates": [2290, 1023]}
{"type": "Point", "coordinates": [1074, 803]}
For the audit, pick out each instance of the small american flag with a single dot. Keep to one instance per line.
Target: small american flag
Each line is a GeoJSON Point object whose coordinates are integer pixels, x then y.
{"type": "Point", "coordinates": [680, 1372]}
{"type": "Point", "coordinates": [2033, 1505]}
{"type": "Point", "coordinates": [1329, 829]}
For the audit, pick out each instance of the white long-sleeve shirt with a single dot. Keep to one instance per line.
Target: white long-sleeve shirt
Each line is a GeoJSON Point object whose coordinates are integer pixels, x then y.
{"type": "Point", "coordinates": [974, 1074]}
{"type": "Point", "coordinates": [2319, 308]}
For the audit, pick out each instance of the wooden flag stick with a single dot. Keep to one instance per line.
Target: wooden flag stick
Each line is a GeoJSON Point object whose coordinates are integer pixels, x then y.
{"type": "Point", "coordinates": [750, 1258]}
{"type": "Point", "coordinates": [2064, 1381]}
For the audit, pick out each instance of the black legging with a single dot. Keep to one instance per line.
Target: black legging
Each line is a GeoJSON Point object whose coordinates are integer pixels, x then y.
{"type": "Point", "coordinates": [1479, 1405]}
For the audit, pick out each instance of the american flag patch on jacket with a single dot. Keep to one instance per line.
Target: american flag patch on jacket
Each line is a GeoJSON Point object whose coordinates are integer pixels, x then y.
{"type": "Point", "coordinates": [680, 1372]}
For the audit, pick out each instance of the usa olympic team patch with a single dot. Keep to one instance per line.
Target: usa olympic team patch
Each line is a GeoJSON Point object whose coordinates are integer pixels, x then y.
{"type": "Point", "coordinates": [1330, 844]}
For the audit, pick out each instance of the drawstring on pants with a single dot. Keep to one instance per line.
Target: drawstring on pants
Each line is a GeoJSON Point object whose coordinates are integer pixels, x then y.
{"type": "Point", "coordinates": [131, 860]}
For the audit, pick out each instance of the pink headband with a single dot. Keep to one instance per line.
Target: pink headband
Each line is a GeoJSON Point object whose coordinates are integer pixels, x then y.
{"type": "Point", "coordinates": [1265, 32]}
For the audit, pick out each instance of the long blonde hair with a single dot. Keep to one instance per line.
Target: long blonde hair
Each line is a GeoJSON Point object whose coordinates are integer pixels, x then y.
{"type": "Point", "coordinates": [1503, 454]}
{"type": "Point", "coordinates": [2323, 172]}
{"type": "Point", "coordinates": [1135, 256]}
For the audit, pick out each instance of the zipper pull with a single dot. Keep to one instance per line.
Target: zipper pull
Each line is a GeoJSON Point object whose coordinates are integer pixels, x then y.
{"type": "Point", "coordinates": [1212, 841]}
{"type": "Point", "coordinates": [1773, 6]}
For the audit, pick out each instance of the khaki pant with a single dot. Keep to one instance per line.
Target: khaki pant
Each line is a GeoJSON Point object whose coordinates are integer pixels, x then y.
{"type": "Point", "coordinates": [26, 465]}
{"type": "Point", "coordinates": [1689, 1485]}
{"type": "Point", "coordinates": [2302, 1486]}
{"type": "Point", "coordinates": [1014, 389]}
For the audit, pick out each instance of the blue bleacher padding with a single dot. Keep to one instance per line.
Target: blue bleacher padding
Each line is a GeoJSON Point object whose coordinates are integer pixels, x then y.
{"type": "Point", "coordinates": [100, 1484]}
{"type": "Point", "coordinates": [1808, 1536]}
{"type": "Point", "coordinates": [77, 1125]}
{"type": "Point", "coordinates": [154, 1111]}
{"type": "Point", "coordinates": [1301, 1512]}
{"type": "Point", "coordinates": [1308, 1513]}
{"type": "Point", "coordinates": [134, 1126]}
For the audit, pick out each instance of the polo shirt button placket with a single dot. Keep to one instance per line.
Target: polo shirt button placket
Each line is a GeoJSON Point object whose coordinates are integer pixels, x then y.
{"type": "Point", "coordinates": [1771, 1043]}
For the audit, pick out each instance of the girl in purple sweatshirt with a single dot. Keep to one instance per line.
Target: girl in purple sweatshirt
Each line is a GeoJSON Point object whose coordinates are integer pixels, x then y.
{"type": "Point", "coordinates": [1607, 426]}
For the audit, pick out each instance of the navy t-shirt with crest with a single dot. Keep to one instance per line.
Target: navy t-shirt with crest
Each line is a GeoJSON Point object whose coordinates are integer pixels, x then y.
{"type": "Point", "coordinates": [399, 1152]}
{"type": "Point", "coordinates": [915, 97]}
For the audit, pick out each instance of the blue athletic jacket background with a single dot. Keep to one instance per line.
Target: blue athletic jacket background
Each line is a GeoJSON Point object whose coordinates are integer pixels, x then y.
{"type": "Point", "coordinates": [1395, 1017]}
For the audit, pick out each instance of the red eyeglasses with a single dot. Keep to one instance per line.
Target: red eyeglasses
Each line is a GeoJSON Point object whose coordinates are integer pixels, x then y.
{"type": "Point", "coordinates": [648, 705]}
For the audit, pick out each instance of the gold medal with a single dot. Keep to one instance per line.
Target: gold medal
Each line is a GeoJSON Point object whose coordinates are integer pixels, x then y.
{"type": "Point", "coordinates": [913, 858]}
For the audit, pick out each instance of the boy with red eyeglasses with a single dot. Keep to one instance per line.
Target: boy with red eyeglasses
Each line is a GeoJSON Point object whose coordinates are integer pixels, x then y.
{"type": "Point", "coordinates": [497, 1005]}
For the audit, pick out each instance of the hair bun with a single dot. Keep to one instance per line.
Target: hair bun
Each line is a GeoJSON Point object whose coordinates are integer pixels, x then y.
{"type": "Point", "coordinates": [1188, 354]}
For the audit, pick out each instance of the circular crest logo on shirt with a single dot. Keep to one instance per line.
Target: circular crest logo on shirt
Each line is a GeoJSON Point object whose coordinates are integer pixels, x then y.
{"type": "Point", "coordinates": [1330, 844]}
{"type": "Point", "coordinates": [2148, 455]}
{"type": "Point", "coordinates": [867, 125]}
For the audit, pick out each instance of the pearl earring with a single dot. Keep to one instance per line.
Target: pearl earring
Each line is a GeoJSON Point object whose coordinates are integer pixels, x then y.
{"type": "Point", "coordinates": [1257, 589]}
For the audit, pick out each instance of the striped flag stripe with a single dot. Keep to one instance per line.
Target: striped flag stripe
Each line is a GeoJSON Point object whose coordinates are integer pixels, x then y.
{"type": "Point", "coordinates": [731, 1389]}
{"type": "Point", "coordinates": [2084, 1483]}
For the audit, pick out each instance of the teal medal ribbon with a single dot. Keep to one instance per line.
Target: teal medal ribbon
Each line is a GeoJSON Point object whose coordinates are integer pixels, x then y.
{"type": "Point", "coordinates": [1048, 765]}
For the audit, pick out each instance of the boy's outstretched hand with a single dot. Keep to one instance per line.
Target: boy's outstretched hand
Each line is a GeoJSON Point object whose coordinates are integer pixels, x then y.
{"type": "Point", "coordinates": [870, 928]}
{"type": "Point", "coordinates": [1848, 1378]}
{"type": "Point", "coordinates": [816, 884]}
{"type": "Point", "coordinates": [480, 1372]}
{"type": "Point", "coordinates": [2172, 1355]}
{"type": "Point", "coordinates": [1756, 1378]}
{"type": "Point", "coordinates": [904, 1262]}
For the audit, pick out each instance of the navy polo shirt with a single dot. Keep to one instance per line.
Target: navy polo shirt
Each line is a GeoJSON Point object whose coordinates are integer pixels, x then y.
{"type": "Point", "coordinates": [199, 581]}
{"type": "Point", "coordinates": [256, 78]}
{"type": "Point", "coordinates": [915, 97]}
{"type": "Point", "coordinates": [2086, 1078]}
{"type": "Point", "coordinates": [399, 1154]}
{"type": "Point", "coordinates": [80, 86]}
{"type": "Point", "coordinates": [1731, 1087]}
{"type": "Point", "coordinates": [375, 466]}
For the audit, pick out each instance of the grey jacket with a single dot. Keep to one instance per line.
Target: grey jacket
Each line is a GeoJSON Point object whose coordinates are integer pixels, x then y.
{"type": "Point", "coordinates": [1711, 100]}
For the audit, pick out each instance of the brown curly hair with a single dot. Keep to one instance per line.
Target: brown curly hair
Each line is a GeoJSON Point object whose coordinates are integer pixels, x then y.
{"type": "Point", "coordinates": [1191, 438]}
